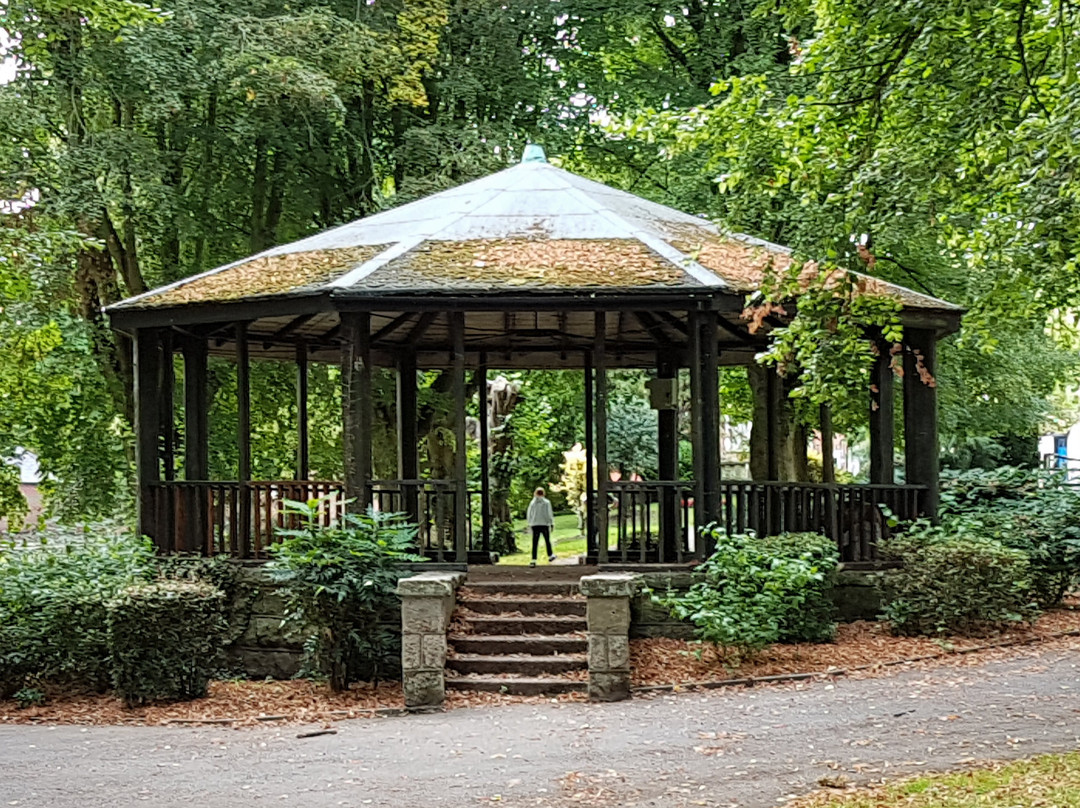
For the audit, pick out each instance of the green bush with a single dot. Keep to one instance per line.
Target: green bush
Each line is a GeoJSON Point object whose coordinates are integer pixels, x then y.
{"type": "Point", "coordinates": [165, 640]}
{"type": "Point", "coordinates": [340, 584]}
{"type": "Point", "coordinates": [954, 583]}
{"type": "Point", "coordinates": [52, 604]}
{"type": "Point", "coordinates": [1027, 510]}
{"type": "Point", "coordinates": [757, 592]}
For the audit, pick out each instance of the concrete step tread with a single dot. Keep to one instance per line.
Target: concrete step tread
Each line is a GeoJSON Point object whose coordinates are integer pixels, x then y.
{"type": "Point", "coordinates": [469, 597]}
{"type": "Point", "coordinates": [517, 685]}
{"type": "Point", "coordinates": [572, 655]}
{"type": "Point", "coordinates": [518, 638]}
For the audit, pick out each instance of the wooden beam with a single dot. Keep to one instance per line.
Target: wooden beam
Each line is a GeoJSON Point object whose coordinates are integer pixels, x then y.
{"type": "Point", "coordinates": [650, 324]}
{"type": "Point", "coordinates": [740, 334]}
{"type": "Point", "coordinates": [694, 335]}
{"type": "Point", "coordinates": [774, 408]}
{"type": "Point", "coordinates": [601, 415]}
{"type": "Point", "coordinates": [291, 326]}
{"type": "Point", "coordinates": [882, 419]}
{"type": "Point", "coordinates": [710, 418]}
{"type": "Point", "coordinates": [147, 362]}
{"type": "Point", "coordinates": [303, 460]}
{"type": "Point", "coordinates": [461, 482]}
{"type": "Point", "coordinates": [668, 463]}
{"type": "Point", "coordinates": [921, 414]}
{"type": "Point", "coordinates": [243, 438]}
{"type": "Point", "coordinates": [485, 458]}
{"type": "Point", "coordinates": [673, 321]}
{"type": "Point", "coordinates": [167, 408]}
{"type": "Point", "coordinates": [356, 398]}
{"type": "Point", "coordinates": [392, 326]}
{"type": "Point", "coordinates": [421, 327]}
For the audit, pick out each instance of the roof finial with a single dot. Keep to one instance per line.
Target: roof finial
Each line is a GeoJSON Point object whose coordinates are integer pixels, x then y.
{"type": "Point", "coordinates": [534, 153]}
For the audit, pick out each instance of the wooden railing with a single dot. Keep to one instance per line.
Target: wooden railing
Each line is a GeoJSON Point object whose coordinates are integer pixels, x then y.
{"type": "Point", "coordinates": [241, 520]}
{"type": "Point", "coordinates": [654, 521]}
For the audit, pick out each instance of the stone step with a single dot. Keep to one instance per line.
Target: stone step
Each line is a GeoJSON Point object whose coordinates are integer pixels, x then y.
{"type": "Point", "coordinates": [514, 685]}
{"type": "Point", "coordinates": [488, 625]}
{"type": "Point", "coordinates": [545, 572]}
{"type": "Point", "coordinates": [525, 606]}
{"type": "Point", "coordinates": [524, 665]}
{"type": "Point", "coordinates": [510, 587]}
{"type": "Point", "coordinates": [519, 644]}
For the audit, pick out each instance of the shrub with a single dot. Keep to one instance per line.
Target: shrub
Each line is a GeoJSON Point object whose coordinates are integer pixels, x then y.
{"type": "Point", "coordinates": [52, 604]}
{"type": "Point", "coordinates": [757, 592]}
{"type": "Point", "coordinates": [954, 583]}
{"type": "Point", "coordinates": [165, 640]}
{"type": "Point", "coordinates": [1030, 511]}
{"type": "Point", "coordinates": [340, 584]}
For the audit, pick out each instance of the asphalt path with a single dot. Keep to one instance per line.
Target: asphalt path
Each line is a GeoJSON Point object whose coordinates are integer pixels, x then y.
{"type": "Point", "coordinates": [746, 748]}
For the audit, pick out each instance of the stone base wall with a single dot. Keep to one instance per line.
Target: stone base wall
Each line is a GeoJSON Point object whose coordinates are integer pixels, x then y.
{"type": "Point", "coordinates": [264, 647]}
{"type": "Point", "coordinates": [855, 595]}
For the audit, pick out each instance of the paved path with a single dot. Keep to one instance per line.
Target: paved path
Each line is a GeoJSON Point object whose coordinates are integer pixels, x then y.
{"type": "Point", "coordinates": [739, 748]}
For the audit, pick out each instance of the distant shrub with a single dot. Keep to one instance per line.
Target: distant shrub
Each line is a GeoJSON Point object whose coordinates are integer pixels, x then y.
{"type": "Point", "coordinates": [954, 583]}
{"type": "Point", "coordinates": [165, 640]}
{"type": "Point", "coordinates": [759, 591]}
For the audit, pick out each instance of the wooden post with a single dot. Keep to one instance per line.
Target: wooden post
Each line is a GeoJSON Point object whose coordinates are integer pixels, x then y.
{"type": "Point", "coordinates": [601, 415]}
{"type": "Point", "coordinates": [882, 420]}
{"type": "Point", "coordinates": [196, 440]}
{"type": "Point", "coordinates": [461, 482]}
{"type": "Point", "coordinates": [168, 414]}
{"type": "Point", "coordinates": [921, 414]}
{"type": "Point", "coordinates": [668, 465]}
{"type": "Point", "coordinates": [590, 453]}
{"type": "Point", "coordinates": [693, 319]}
{"type": "Point", "coordinates": [774, 408]}
{"type": "Point", "coordinates": [303, 461]}
{"type": "Point", "coordinates": [710, 419]}
{"type": "Point", "coordinates": [485, 458]}
{"type": "Point", "coordinates": [243, 438]}
{"type": "Point", "coordinates": [356, 400]}
{"type": "Point", "coordinates": [147, 356]}
{"type": "Point", "coordinates": [828, 463]}
{"type": "Point", "coordinates": [408, 465]}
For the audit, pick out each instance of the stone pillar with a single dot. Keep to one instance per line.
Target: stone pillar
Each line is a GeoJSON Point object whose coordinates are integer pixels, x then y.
{"type": "Point", "coordinates": [608, 612]}
{"type": "Point", "coordinates": [427, 601]}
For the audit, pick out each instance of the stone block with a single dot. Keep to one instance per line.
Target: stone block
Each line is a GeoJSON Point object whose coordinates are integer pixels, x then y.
{"type": "Point", "coordinates": [608, 615]}
{"type": "Point", "coordinates": [607, 686]}
{"type": "Point", "coordinates": [610, 585]}
{"type": "Point", "coordinates": [433, 651]}
{"type": "Point", "coordinates": [425, 615]}
{"type": "Point", "coordinates": [423, 688]}
{"type": "Point", "coordinates": [598, 657]}
{"type": "Point", "coordinates": [412, 651]}
{"type": "Point", "coordinates": [430, 584]}
{"type": "Point", "coordinates": [618, 652]}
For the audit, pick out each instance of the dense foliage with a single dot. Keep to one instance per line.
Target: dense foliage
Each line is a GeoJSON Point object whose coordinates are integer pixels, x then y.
{"type": "Point", "coordinates": [53, 625]}
{"type": "Point", "coordinates": [759, 591]}
{"type": "Point", "coordinates": [340, 586]}
{"type": "Point", "coordinates": [954, 582]}
{"type": "Point", "coordinates": [186, 620]}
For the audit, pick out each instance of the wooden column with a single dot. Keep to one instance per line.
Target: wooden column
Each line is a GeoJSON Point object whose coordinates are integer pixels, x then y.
{"type": "Point", "coordinates": [882, 420]}
{"type": "Point", "coordinates": [693, 319]}
{"type": "Point", "coordinates": [828, 463]}
{"type": "Point", "coordinates": [710, 419]}
{"type": "Point", "coordinates": [168, 414]}
{"type": "Point", "coordinates": [461, 481]}
{"type": "Point", "coordinates": [243, 439]}
{"type": "Point", "coordinates": [408, 465]}
{"type": "Point", "coordinates": [601, 416]}
{"type": "Point", "coordinates": [303, 460]}
{"type": "Point", "coordinates": [485, 458]}
{"type": "Point", "coordinates": [356, 400]}
{"type": "Point", "coordinates": [196, 440]}
{"type": "Point", "coordinates": [774, 408]}
{"type": "Point", "coordinates": [921, 414]}
{"type": "Point", "coordinates": [590, 453]}
{"type": "Point", "coordinates": [147, 361]}
{"type": "Point", "coordinates": [668, 465]}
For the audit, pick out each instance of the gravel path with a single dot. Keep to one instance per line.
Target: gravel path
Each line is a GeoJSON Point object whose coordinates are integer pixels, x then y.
{"type": "Point", "coordinates": [736, 748]}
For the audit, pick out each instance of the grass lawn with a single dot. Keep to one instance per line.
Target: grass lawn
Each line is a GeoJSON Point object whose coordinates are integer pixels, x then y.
{"type": "Point", "coordinates": [1049, 780]}
{"type": "Point", "coordinates": [566, 540]}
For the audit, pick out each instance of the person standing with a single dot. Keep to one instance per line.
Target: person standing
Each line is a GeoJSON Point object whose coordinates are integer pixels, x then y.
{"type": "Point", "coordinates": [541, 519]}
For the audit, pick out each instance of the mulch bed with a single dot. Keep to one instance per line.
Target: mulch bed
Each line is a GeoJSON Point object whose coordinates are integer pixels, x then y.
{"type": "Point", "coordinates": [862, 649]}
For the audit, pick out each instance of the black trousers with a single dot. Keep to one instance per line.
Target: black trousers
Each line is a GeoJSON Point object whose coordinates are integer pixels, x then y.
{"type": "Point", "coordinates": [538, 531]}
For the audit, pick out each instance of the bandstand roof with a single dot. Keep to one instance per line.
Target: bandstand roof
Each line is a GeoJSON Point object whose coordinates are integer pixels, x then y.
{"type": "Point", "coordinates": [527, 238]}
